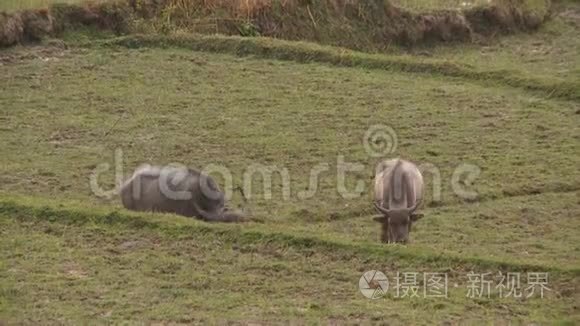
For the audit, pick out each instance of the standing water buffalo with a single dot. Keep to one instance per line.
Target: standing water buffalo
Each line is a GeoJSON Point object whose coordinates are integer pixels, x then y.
{"type": "Point", "coordinates": [398, 193]}
{"type": "Point", "coordinates": [176, 190]}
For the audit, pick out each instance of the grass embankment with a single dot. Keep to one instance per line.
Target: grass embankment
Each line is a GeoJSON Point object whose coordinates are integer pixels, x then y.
{"type": "Point", "coordinates": [374, 25]}
{"type": "Point", "coordinates": [186, 271]}
{"type": "Point", "coordinates": [37, 210]}
{"type": "Point", "coordinates": [309, 52]}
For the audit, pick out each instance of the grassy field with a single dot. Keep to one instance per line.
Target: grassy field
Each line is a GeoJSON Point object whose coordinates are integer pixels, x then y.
{"type": "Point", "coordinates": [72, 266]}
{"type": "Point", "coordinates": [70, 256]}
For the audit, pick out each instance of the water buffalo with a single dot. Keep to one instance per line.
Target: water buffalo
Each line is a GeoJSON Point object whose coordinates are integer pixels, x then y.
{"type": "Point", "coordinates": [176, 190]}
{"type": "Point", "coordinates": [398, 193]}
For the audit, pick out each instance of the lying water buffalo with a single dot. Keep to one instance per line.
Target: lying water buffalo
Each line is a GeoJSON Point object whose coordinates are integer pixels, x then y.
{"type": "Point", "coordinates": [398, 193]}
{"type": "Point", "coordinates": [176, 190]}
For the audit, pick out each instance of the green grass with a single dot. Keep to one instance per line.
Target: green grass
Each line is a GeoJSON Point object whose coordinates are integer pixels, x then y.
{"type": "Point", "coordinates": [68, 256]}
{"type": "Point", "coordinates": [324, 238]}
{"type": "Point", "coordinates": [181, 270]}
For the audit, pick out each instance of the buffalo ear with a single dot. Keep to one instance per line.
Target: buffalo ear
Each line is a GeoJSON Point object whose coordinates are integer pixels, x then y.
{"type": "Point", "coordinates": [416, 216]}
{"type": "Point", "coordinates": [380, 219]}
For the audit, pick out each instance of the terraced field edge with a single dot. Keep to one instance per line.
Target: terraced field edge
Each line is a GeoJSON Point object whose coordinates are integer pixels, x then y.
{"type": "Point", "coordinates": [31, 209]}
{"type": "Point", "coordinates": [304, 52]}
{"type": "Point", "coordinates": [362, 25]}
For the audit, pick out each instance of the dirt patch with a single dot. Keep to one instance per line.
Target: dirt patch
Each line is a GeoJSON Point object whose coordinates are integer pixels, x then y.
{"type": "Point", "coordinates": [449, 26]}
{"type": "Point", "coordinates": [74, 271]}
{"type": "Point", "coordinates": [50, 51]}
{"type": "Point", "coordinates": [571, 16]}
{"type": "Point", "coordinates": [132, 245]}
{"type": "Point", "coordinates": [114, 16]}
{"type": "Point", "coordinates": [503, 19]}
